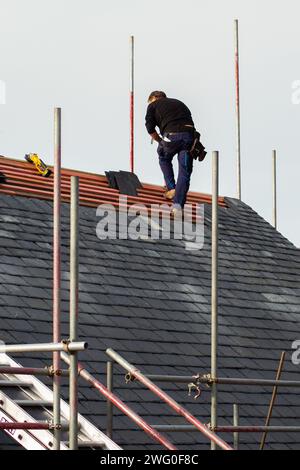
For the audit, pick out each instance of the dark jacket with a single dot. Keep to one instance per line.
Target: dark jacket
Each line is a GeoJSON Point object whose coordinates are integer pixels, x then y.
{"type": "Point", "coordinates": [170, 115]}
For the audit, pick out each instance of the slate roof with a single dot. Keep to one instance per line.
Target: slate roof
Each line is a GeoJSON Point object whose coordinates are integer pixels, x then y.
{"type": "Point", "coordinates": [150, 301]}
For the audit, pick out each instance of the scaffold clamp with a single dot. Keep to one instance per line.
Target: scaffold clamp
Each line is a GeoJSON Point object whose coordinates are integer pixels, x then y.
{"type": "Point", "coordinates": [53, 426]}
{"type": "Point", "coordinates": [52, 371]}
{"type": "Point", "coordinates": [129, 377]}
{"type": "Point", "coordinates": [65, 343]}
{"type": "Point", "coordinates": [206, 379]}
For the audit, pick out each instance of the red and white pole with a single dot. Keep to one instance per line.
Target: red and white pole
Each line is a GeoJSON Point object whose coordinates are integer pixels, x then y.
{"type": "Point", "coordinates": [238, 120]}
{"type": "Point", "coordinates": [15, 425]}
{"type": "Point", "coordinates": [132, 104]}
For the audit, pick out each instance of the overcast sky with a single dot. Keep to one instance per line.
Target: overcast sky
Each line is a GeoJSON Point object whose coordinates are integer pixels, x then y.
{"type": "Point", "coordinates": [75, 54]}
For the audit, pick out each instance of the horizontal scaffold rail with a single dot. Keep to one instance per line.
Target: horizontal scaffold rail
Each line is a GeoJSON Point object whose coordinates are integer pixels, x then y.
{"type": "Point", "coordinates": [32, 426]}
{"type": "Point", "coordinates": [257, 428]}
{"type": "Point", "coordinates": [230, 429]}
{"type": "Point", "coordinates": [237, 381]}
{"type": "Point", "coordinates": [43, 347]}
{"type": "Point", "coordinates": [46, 371]}
{"type": "Point", "coordinates": [209, 380]}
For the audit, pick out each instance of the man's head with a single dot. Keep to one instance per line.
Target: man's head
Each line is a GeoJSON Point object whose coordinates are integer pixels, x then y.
{"type": "Point", "coordinates": [156, 95]}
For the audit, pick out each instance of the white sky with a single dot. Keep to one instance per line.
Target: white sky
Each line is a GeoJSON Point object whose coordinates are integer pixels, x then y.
{"type": "Point", "coordinates": [75, 54]}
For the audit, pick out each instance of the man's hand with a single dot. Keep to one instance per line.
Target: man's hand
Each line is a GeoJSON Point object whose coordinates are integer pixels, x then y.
{"type": "Point", "coordinates": [156, 137]}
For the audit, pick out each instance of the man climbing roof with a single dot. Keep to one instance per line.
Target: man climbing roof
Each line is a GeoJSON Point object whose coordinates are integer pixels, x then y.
{"type": "Point", "coordinates": [176, 126]}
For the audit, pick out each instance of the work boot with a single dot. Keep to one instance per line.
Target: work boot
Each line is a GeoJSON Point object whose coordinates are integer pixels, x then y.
{"type": "Point", "coordinates": [176, 211]}
{"type": "Point", "coordinates": [170, 194]}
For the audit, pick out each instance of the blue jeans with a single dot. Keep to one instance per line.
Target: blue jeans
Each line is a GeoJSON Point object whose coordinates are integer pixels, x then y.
{"type": "Point", "coordinates": [180, 144]}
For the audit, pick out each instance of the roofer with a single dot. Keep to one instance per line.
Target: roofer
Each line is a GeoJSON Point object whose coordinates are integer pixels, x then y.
{"type": "Point", "coordinates": [177, 131]}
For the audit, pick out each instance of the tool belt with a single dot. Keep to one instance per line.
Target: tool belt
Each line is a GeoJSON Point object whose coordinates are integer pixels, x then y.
{"type": "Point", "coordinates": [197, 151]}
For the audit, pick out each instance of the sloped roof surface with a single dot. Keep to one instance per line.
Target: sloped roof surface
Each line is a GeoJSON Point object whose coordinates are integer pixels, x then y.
{"type": "Point", "coordinates": [150, 301]}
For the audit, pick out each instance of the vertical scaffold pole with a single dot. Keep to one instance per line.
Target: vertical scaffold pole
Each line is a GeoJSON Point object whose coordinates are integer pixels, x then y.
{"type": "Point", "coordinates": [235, 424]}
{"type": "Point", "coordinates": [74, 235]}
{"type": "Point", "coordinates": [57, 274]}
{"type": "Point", "coordinates": [214, 290]}
{"type": "Point", "coordinates": [132, 104]}
{"type": "Point", "coordinates": [238, 118]}
{"type": "Point", "coordinates": [109, 384]}
{"type": "Point", "coordinates": [274, 161]}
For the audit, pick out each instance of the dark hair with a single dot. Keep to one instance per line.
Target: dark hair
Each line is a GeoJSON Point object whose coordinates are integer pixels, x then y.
{"type": "Point", "coordinates": [157, 94]}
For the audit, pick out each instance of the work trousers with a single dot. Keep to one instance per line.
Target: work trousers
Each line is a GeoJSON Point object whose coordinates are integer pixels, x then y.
{"type": "Point", "coordinates": [177, 143]}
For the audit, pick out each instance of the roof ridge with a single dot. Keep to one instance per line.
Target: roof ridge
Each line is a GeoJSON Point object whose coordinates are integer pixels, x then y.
{"type": "Point", "coordinates": [94, 188]}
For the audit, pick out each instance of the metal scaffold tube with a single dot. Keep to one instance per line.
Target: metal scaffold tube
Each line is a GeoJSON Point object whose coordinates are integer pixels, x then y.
{"type": "Point", "coordinates": [47, 371]}
{"type": "Point", "coordinates": [274, 161]}
{"type": "Point", "coordinates": [14, 425]}
{"type": "Point", "coordinates": [73, 389]}
{"type": "Point", "coordinates": [252, 382]}
{"type": "Point", "coordinates": [214, 290]}
{"type": "Point", "coordinates": [207, 379]}
{"type": "Point", "coordinates": [167, 399]}
{"type": "Point", "coordinates": [121, 405]}
{"type": "Point", "coordinates": [257, 429]}
{"type": "Point", "coordinates": [238, 114]}
{"type": "Point", "coordinates": [132, 104]}
{"type": "Point", "coordinates": [175, 427]}
{"type": "Point", "coordinates": [44, 347]}
{"type": "Point", "coordinates": [236, 424]}
{"type": "Point", "coordinates": [57, 273]}
{"type": "Point", "coordinates": [172, 378]}
{"type": "Point", "coordinates": [228, 429]}
{"type": "Point", "coordinates": [110, 384]}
